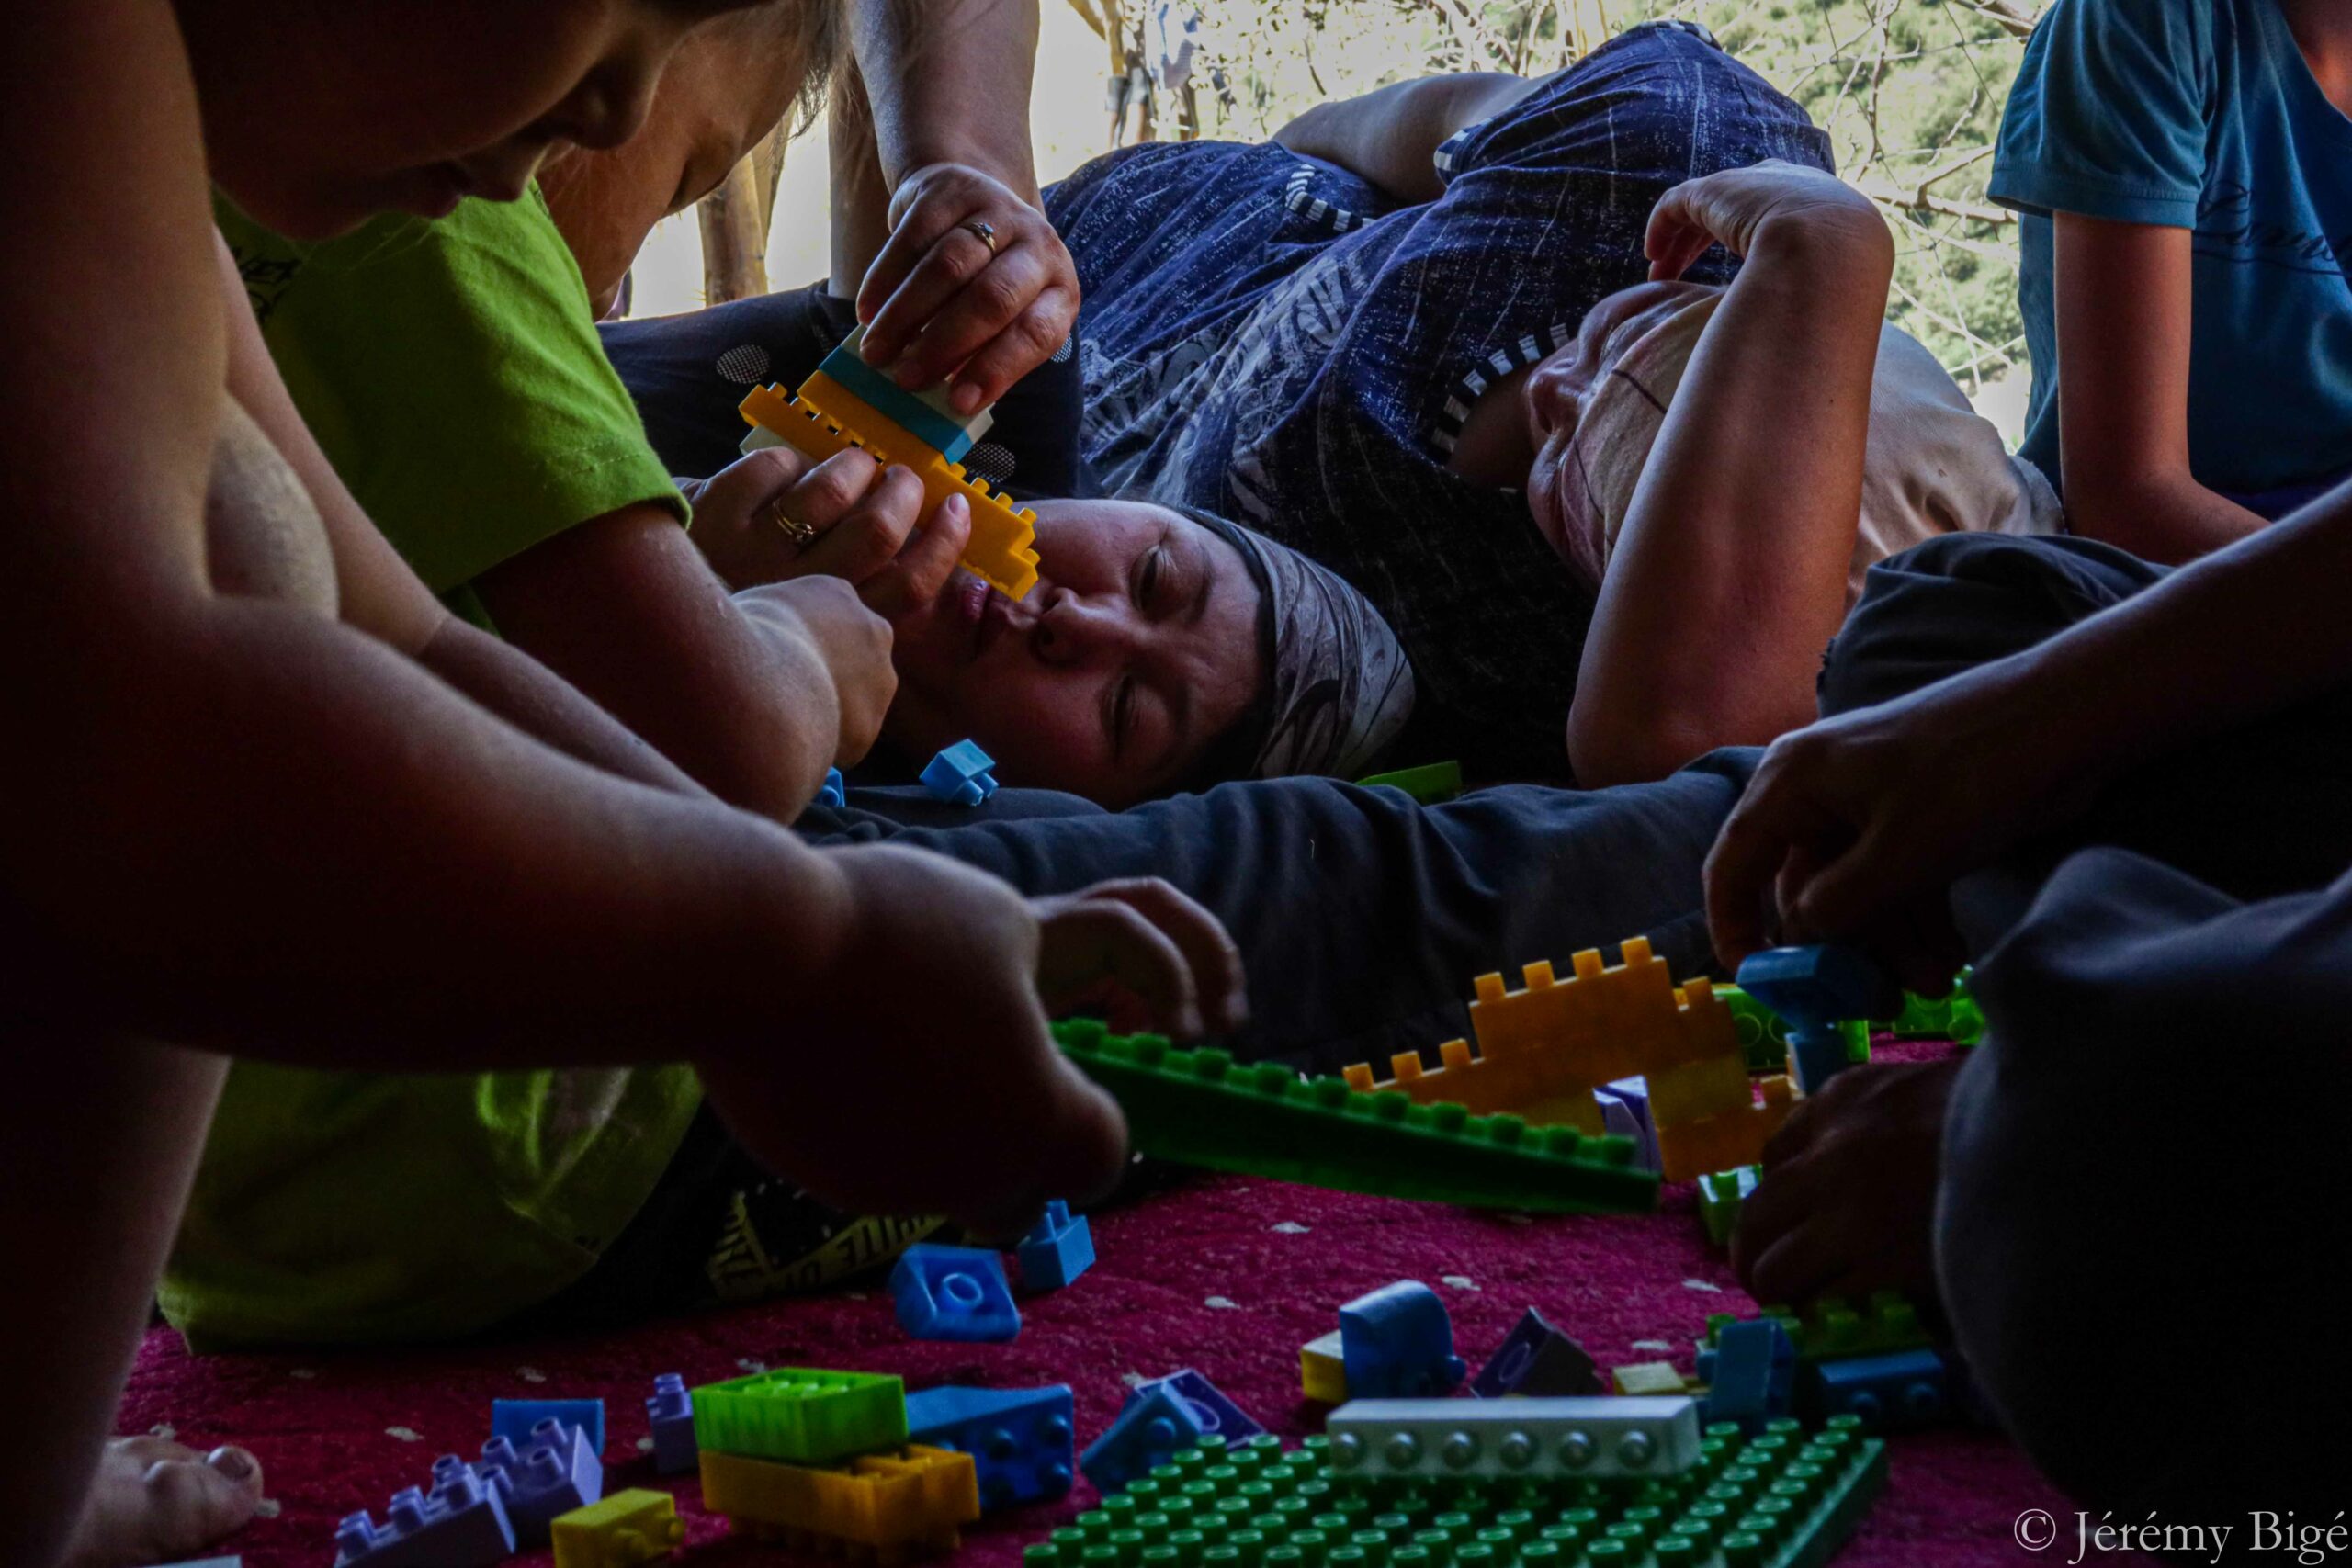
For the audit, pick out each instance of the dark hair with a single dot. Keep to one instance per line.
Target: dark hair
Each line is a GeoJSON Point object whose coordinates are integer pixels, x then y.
{"type": "Point", "coordinates": [1233, 754]}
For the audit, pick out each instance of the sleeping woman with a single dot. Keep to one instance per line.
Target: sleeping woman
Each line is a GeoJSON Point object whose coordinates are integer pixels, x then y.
{"type": "Point", "coordinates": [1456, 342]}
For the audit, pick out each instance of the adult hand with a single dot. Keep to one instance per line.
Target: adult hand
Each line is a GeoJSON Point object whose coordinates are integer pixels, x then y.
{"type": "Point", "coordinates": [919, 1078]}
{"type": "Point", "coordinates": [1157, 958]}
{"type": "Point", "coordinates": [1732, 208]}
{"type": "Point", "coordinates": [1854, 828]}
{"type": "Point", "coordinates": [939, 299]}
{"type": "Point", "coordinates": [848, 640]}
{"type": "Point", "coordinates": [863, 518]}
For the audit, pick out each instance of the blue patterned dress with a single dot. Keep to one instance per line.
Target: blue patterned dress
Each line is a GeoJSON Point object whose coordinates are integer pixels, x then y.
{"type": "Point", "coordinates": [1268, 337]}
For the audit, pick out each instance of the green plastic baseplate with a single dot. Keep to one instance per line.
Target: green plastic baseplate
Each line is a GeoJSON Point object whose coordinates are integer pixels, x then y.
{"type": "Point", "coordinates": [1201, 1107]}
{"type": "Point", "coordinates": [1778, 1500]}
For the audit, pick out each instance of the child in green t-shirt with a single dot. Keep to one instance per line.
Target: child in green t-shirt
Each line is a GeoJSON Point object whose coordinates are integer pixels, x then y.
{"type": "Point", "coordinates": [270, 798]}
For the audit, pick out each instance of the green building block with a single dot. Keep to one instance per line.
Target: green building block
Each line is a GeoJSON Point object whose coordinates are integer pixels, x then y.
{"type": "Point", "coordinates": [1720, 1196]}
{"type": "Point", "coordinates": [801, 1416]}
{"type": "Point", "coordinates": [1432, 785]}
{"type": "Point", "coordinates": [1955, 1017]}
{"type": "Point", "coordinates": [1836, 1330]}
{"type": "Point", "coordinates": [1763, 1038]}
{"type": "Point", "coordinates": [1200, 1108]}
{"type": "Point", "coordinates": [1778, 1500]}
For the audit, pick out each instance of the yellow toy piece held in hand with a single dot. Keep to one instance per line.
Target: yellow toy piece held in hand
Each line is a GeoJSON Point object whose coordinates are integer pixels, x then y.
{"type": "Point", "coordinates": [848, 404]}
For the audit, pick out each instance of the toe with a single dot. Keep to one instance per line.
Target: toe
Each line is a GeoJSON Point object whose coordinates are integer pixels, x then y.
{"type": "Point", "coordinates": [192, 1502]}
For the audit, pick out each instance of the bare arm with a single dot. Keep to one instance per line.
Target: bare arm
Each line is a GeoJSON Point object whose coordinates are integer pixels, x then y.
{"type": "Point", "coordinates": [948, 83]}
{"type": "Point", "coordinates": [1390, 136]}
{"type": "Point", "coordinates": [2124, 339]}
{"type": "Point", "coordinates": [1729, 576]}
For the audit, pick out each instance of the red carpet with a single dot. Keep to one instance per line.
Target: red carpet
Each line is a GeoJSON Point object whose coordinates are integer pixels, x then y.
{"type": "Point", "coordinates": [1230, 1275]}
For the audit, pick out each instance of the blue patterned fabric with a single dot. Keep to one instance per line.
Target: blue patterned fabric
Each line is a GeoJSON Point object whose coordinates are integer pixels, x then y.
{"type": "Point", "coordinates": [1268, 337]}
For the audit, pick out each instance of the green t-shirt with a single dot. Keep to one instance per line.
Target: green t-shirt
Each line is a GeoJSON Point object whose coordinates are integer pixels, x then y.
{"type": "Point", "coordinates": [452, 373]}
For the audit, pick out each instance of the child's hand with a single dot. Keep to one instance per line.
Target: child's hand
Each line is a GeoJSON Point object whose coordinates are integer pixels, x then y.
{"type": "Point", "coordinates": [847, 638]}
{"type": "Point", "coordinates": [1156, 958]}
{"type": "Point", "coordinates": [921, 1079]}
{"type": "Point", "coordinates": [1733, 206]}
{"type": "Point", "coordinates": [1848, 1202]}
{"type": "Point", "coordinates": [941, 299]}
{"type": "Point", "coordinates": [858, 519]}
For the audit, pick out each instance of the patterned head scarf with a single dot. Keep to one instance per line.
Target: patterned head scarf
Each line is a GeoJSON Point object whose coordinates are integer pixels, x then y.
{"type": "Point", "coordinates": [1335, 687]}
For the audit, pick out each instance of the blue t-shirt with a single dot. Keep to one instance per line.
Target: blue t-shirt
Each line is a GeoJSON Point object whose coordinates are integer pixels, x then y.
{"type": "Point", "coordinates": [2201, 114]}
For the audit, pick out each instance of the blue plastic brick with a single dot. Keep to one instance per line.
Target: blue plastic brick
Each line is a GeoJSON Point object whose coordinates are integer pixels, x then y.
{"type": "Point", "coordinates": [1819, 988]}
{"type": "Point", "coordinates": [555, 1474]}
{"type": "Point", "coordinates": [835, 791]}
{"type": "Point", "coordinates": [516, 1419]}
{"type": "Point", "coordinates": [1898, 1393]}
{"type": "Point", "coordinates": [1397, 1342]}
{"type": "Point", "coordinates": [1020, 1438]}
{"type": "Point", "coordinates": [1217, 1415]}
{"type": "Point", "coordinates": [1750, 1374]}
{"type": "Point", "coordinates": [1057, 1251]}
{"type": "Point", "coordinates": [960, 775]}
{"type": "Point", "coordinates": [1145, 1434]}
{"type": "Point", "coordinates": [848, 367]}
{"type": "Point", "coordinates": [1536, 1361]}
{"type": "Point", "coordinates": [671, 1413]}
{"type": "Point", "coordinates": [953, 1292]}
{"type": "Point", "coordinates": [460, 1524]}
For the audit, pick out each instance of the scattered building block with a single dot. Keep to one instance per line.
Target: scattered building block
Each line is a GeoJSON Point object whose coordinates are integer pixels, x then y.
{"type": "Point", "coordinates": [1728, 1139]}
{"type": "Point", "coordinates": [1431, 785]}
{"type": "Point", "coordinates": [1538, 1362]}
{"type": "Point", "coordinates": [1721, 1193]}
{"type": "Point", "coordinates": [835, 791]}
{"type": "Point", "coordinates": [800, 1414]}
{"type": "Point", "coordinates": [459, 1524]}
{"type": "Point", "coordinates": [960, 775]}
{"type": "Point", "coordinates": [1217, 1415]}
{"type": "Point", "coordinates": [1750, 1373]}
{"type": "Point", "coordinates": [1323, 1370]}
{"type": "Point", "coordinates": [1020, 1438]}
{"type": "Point", "coordinates": [1200, 1108]}
{"type": "Point", "coordinates": [1899, 1393]}
{"type": "Point", "coordinates": [621, 1532]}
{"type": "Point", "coordinates": [1057, 1251]}
{"type": "Point", "coordinates": [1835, 1329]}
{"type": "Point", "coordinates": [1625, 1114]}
{"type": "Point", "coordinates": [1145, 1435]}
{"type": "Point", "coordinates": [1397, 1342]}
{"type": "Point", "coordinates": [892, 1506]}
{"type": "Point", "coordinates": [1817, 990]}
{"type": "Point", "coordinates": [555, 1474]}
{"type": "Point", "coordinates": [929, 418]}
{"type": "Point", "coordinates": [516, 1419]}
{"type": "Point", "coordinates": [1596, 1438]}
{"type": "Point", "coordinates": [1642, 1379]}
{"type": "Point", "coordinates": [953, 1292]}
{"type": "Point", "coordinates": [671, 1411]}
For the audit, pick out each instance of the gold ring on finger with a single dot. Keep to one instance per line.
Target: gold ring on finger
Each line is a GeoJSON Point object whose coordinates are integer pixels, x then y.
{"type": "Point", "coordinates": [983, 231]}
{"type": "Point", "coordinates": [798, 532]}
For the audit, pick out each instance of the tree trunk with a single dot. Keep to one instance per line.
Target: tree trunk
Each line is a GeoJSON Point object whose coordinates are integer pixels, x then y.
{"type": "Point", "coordinates": [734, 237]}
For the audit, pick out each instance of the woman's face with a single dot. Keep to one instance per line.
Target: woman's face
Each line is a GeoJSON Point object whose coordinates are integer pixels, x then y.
{"type": "Point", "coordinates": [1559, 391]}
{"type": "Point", "coordinates": [1138, 647]}
{"type": "Point", "coordinates": [317, 116]}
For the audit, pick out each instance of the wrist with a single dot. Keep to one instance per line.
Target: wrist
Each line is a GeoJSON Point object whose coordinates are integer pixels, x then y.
{"type": "Point", "coordinates": [1016, 171]}
{"type": "Point", "coordinates": [1853, 239]}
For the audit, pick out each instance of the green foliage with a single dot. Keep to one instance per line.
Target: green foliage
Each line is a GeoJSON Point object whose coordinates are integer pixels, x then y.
{"type": "Point", "coordinates": [1910, 95]}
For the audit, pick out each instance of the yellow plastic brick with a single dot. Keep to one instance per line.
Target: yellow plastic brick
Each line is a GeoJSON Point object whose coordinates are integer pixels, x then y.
{"type": "Point", "coordinates": [892, 1506]}
{"type": "Point", "coordinates": [1321, 1373]}
{"type": "Point", "coordinates": [622, 1530]}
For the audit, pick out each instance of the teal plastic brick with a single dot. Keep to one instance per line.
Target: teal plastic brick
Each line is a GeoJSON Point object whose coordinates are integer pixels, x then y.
{"type": "Point", "coordinates": [1720, 1195]}
{"type": "Point", "coordinates": [1200, 1108]}
{"type": "Point", "coordinates": [1779, 1499]}
{"type": "Point", "coordinates": [1837, 1328]}
{"type": "Point", "coordinates": [801, 1416]}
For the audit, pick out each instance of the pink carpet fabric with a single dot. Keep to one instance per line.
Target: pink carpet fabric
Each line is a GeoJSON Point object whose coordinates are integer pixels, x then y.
{"type": "Point", "coordinates": [1230, 1275]}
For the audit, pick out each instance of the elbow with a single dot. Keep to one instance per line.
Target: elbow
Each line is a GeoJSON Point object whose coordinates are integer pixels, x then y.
{"type": "Point", "coordinates": [1606, 750]}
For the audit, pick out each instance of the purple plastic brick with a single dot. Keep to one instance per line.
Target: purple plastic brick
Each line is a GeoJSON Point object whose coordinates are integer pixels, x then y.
{"type": "Point", "coordinates": [1145, 1434]}
{"type": "Point", "coordinates": [672, 1411]}
{"type": "Point", "coordinates": [462, 1524]}
{"type": "Point", "coordinates": [556, 1473]}
{"type": "Point", "coordinates": [1536, 1361]}
{"type": "Point", "coordinates": [1217, 1415]}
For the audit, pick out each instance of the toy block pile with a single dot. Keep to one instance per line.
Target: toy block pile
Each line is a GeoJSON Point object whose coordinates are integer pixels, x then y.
{"type": "Point", "coordinates": [1202, 1108]}
{"type": "Point", "coordinates": [1544, 1049]}
{"type": "Point", "coordinates": [1876, 1364]}
{"type": "Point", "coordinates": [847, 1463]}
{"type": "Point", "coordinates": [847, 404]}
{"type": "Point", "coordinates": [540, 1481]}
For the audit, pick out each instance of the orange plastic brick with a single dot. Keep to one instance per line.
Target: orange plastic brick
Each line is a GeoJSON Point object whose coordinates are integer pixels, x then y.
{"type": "Point", "coordinates": [890, 1507]}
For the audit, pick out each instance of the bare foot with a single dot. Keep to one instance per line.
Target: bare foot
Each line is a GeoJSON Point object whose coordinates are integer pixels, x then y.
{"type": "Point", "coordinates": [1848, 1202]}
{"type": "Point", "coordinates": [157, 1501]}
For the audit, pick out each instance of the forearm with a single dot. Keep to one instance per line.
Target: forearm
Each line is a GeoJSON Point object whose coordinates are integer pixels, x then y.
{"type": "Point", "coordinates": [286, 838]}
{"type": "Point", "coordinates": [949, 83]}
{"type": "Point", "coordinates": [1728, 576]}
{"type": "Point", "coordinates": [1390, 137]}
{"type": "Point", "coordinates": [2165, 517]}
{"type": "Point", "coordinates": [2253, 629]}
{"type": "Point", "coordinates": [532, 698]}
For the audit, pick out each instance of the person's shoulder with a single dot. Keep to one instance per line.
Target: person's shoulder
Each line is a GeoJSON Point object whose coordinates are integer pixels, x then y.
{"type": "Point", "coordinates": [2130, 34]}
